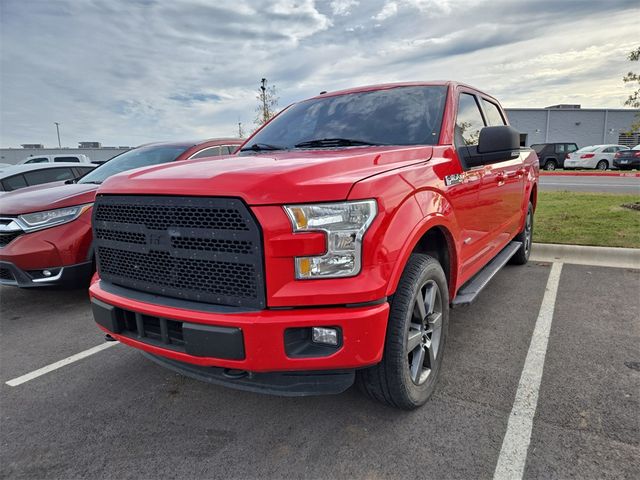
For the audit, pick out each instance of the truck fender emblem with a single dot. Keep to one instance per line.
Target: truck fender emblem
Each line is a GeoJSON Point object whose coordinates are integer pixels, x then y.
{"type": "Point", "coordinates": [454, 179]}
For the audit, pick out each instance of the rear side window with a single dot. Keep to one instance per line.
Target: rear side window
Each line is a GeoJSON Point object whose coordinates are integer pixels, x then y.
{"type": "Point", "coordinates": [49, 175]}
{"type": "Point", "coordinates": [571, 147]}
{"type": "Point", "coordinates": [229, 149]}
{"type": "Point", "coordinates": [13, 183]}
{"type": "Point", "coordinates": [469, 121]}
{"type": "Point", "coordinates": [37, 160]}
{"type": "Point", "coordinates": [561, 148]}
{"type": "Point", "coordinates": [610, 150]}
{"type": "Point", "coordinates": [207, 152]}
{"type": "Point", "coordinates": [66, 159]}
{"type": "Point", "coordinates": [537, 147]}
{"type": "Point", "coordinates": [494, 117]}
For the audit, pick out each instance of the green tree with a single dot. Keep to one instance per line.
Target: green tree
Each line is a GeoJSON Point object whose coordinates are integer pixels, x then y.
{"type": "Point", "coordinates": [634, 98]}
{"type": "Point", "coordinates": [267, 103]}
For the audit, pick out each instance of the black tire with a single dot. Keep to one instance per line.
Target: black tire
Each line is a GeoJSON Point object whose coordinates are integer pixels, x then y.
{"type": "Point", "coordinates": [602, 165]}
{"type": "Point", "coordinates": [402, 378]}
{"type": "Point", "coordinates": [525, 237]}
{"type": "Point", "coordinates": [550, 165]}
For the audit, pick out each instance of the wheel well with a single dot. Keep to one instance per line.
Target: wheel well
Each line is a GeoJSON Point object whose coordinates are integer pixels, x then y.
{"type": "Point", "coordinates": [435, 244]}
{"type": "Point", "coordinates": [534, 196]}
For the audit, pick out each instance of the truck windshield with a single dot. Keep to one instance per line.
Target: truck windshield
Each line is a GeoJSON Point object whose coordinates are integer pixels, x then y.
{"type": "Point", "coordinates": [136, 158]}
{"type": "Point", "coordinates": [393, 116]}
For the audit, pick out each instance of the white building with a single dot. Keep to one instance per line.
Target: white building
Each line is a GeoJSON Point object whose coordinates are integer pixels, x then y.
{"type": "Point", "coordinates": [570, 123]}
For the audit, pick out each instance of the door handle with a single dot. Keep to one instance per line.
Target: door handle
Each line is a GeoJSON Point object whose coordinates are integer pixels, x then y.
{"type": "Point", "coordinates": [500, 177]}
{"type": "Point", "coordinates": [520, 172]}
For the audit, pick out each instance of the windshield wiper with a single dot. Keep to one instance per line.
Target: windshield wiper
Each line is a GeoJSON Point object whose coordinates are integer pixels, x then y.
{"type": "Point", "coordinates": [257, 147]}
{"type": "Point", "coordinates": [334, 142]}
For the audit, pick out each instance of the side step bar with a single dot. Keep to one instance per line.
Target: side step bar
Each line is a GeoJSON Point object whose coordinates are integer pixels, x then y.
{"type": "Point", "coordinates": [470, 290]}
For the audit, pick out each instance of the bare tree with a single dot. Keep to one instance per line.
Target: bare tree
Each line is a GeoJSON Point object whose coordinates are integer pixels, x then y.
{"type": "Point", "coordinates": [634, 98]}
{"type": "Point", "coordinates": [267, 103]}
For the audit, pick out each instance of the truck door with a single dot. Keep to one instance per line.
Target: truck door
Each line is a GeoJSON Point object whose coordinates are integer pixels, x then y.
{"type": "Point", "coordinates": [502, 188]}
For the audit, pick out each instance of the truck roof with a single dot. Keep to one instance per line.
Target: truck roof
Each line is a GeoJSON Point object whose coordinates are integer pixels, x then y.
{"type": "Point", "coordinates": [383, 86]}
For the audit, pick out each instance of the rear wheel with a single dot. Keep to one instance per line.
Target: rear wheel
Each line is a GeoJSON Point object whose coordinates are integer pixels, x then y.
{"type": "Point", "coordinates": [525, 237]}
{"type": "Point", "coordinates": [416, 336]}
{"type": "Point", "coordinates": [602, 165]}
{"type": "Point", "coordinates": [550, 165]}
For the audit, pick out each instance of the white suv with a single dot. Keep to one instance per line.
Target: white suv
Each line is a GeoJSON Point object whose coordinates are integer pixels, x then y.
{"type": "Point", "coordinates": [61, 157]}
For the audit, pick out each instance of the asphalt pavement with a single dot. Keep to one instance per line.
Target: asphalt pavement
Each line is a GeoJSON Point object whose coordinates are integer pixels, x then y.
{"type": "Point", "coordinates": [582, 183]}
{"type": "Point", "coordinates": [115, 414]}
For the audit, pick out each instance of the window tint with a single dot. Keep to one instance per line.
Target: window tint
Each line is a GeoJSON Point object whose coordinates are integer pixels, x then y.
{"type": "Point", "coordinates": [136, 158]}
{"type": "Point", "coordinates": [560, 148]}
{"type": "Point", "coordinates": [571, 147]}
{"type": "Point", "coordinates": [538, 147]}
{"type": "Point", "coordinates": [13, 183]}
{"type": "Point", "coordinates": [50, 175]}
{"type": "Point", "coordinates": [83, 170]}
{"type": "Point", "coordinates": [66, 159]}
{"type": "Point", "coordinates": [469, 121]}
{"type": "Point", "coordinates": [494, 117]}
{"type": "Point", "coordinates": [393, 116]}
{"type": "Point", "coordinates": [609, 150]}
{"type": "Point", "coordinates": [37, 160]}
{"type": "Point", "coordinates": [207, 152]}
{"type": "Point", "coordinates": [229, 149]}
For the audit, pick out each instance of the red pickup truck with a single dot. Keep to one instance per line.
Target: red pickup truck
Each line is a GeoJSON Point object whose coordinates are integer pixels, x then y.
{"type": "Point", "coordinates": [328, 251]}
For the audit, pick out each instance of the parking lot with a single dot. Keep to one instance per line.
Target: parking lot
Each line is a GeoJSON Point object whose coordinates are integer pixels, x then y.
{"type": "Point", "coordinates": [115, 414]}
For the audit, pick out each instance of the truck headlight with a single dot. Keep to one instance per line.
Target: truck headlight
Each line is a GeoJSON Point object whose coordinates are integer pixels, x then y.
{"type": "Point", "coordinates": [344, 224]}
{"type": "Point", "coordinates": [50, 218]}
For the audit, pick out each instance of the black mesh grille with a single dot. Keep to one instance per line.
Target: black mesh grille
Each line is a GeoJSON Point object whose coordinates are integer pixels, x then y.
{"type": "Point", "coordinates": [7, 237]}
{"type": "Point", "coordinates": [5, 274]}
{"type": "Point", "coordinates": [193, 248]}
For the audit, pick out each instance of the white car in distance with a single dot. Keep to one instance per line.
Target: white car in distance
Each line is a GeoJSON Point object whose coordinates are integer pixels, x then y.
{"type": "Point", "coordinates": [594, 156]}
{"type": "Point", "coordinates": [61, 157]}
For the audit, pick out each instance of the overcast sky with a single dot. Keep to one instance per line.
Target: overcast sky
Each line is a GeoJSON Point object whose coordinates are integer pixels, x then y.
{"type": "Point", "coordinates": [125, 72]}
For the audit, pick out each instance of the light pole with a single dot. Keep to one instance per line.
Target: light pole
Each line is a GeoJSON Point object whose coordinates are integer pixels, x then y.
{"type": "Point", "coordinates": [263, 87]}
{"type": "Point", "coordinates": [58, 130]}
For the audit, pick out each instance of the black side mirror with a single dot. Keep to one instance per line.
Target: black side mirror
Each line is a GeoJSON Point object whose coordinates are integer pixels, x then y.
{"type": "Point", "coordinates": [496, 144]}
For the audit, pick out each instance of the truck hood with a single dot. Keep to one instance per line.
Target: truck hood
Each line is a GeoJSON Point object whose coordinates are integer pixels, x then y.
{"type": "Point", "coordinates": [47, 197]}
{"type": "Point", "coordinates": [271, 177]}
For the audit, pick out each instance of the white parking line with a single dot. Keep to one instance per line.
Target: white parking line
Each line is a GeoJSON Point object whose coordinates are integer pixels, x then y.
{"type": "Point", "coordinates": [515, 444]}
{"type": "Point", "coordinates": [59, 364]}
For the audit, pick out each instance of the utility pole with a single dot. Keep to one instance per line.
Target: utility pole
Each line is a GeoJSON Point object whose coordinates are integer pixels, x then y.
{"type": "Point", "coordinates": [265, 113]}
{"type": "Point", "coordinates": [58, 130]}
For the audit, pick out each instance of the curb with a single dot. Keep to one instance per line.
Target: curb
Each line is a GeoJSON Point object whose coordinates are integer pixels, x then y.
{"type": "Point", "coordinates": [588, 174]}
{"type": "Point", "coordinates": [583, 255]}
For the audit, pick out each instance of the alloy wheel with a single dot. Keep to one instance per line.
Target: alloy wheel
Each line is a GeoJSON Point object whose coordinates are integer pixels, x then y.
{"type": "Point", "coordinates": [425, 332]}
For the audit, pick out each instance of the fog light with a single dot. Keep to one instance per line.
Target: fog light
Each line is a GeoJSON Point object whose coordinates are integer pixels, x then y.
{"type": "Point", "coordinates": [328, 336]}
{"type": "Point", "coordinates": [46, 273]}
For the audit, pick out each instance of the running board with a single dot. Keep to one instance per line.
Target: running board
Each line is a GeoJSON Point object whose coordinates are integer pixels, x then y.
{"type": "Point", "coordinates": [470, 290]}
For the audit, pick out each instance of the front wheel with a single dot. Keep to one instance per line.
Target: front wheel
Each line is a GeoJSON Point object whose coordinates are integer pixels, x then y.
{"type": "Point", "coordinates": [416, 336]}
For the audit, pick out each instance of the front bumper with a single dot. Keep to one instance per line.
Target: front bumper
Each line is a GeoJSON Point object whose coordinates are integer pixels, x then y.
{"type": "Point", "coordinates": [66, 276]}
{"type": "Point", "coordinates": [249, 341]}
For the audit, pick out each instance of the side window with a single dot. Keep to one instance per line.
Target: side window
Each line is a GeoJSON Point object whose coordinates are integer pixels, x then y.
{"type": "Point", "coordinates": [469, 121]}
{"type": "Point", "coordinates": [207, 152]}
{"type": "Point", "coordinates": [229, 149]}
{"type": "Point", "coordinates": [50, 175]}
{"type": "Point", "coordinates": [571, 147]}
{"type": "Point", "coordinates": [560, 148]}
{"type": "Point", "coordinates": [609, 150]}
{"type": "Point", "coordinates": [494, 117]}
{"type": "Point", "coordinates": [67, 159]}
{"type": "Point", "coordinates": [37, 160]}
{"type": "Point", "coordinates": [13, 183]}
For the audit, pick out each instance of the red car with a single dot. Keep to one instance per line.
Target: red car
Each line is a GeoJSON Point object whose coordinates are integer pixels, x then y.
{"type": "Point", "coordinates": [45, 231]}
{"type": "Point", "coordinates": [329, 249]}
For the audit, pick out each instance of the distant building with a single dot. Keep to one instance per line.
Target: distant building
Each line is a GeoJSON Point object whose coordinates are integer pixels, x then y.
{"type": "Point", "coordinates": [99, 154]}
{"type": "Point", "coordinates": [571, 123]}
{"type": "Point", "coordinates": [89, 145]}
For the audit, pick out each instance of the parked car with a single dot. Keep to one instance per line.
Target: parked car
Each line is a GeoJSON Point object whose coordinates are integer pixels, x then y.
{"type": "Point", "coordinates": [594, 156]}
{"type": "Point", "coordinates": [45, 232]}
{"type": "Point", "coordinates": [14, 177]}
{"type": "Point", "coordinates": [62, 157]}
{"type": "Point", "coordinates": [331, 246]}
{"type": "Point", "coordinates": [627, 159]}
{"type": "Point", "coordinates": [552, 155]}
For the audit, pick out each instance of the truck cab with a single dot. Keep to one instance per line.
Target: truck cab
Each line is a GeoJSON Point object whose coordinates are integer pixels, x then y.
{"type": "Point", "coordinates": [328, 251]}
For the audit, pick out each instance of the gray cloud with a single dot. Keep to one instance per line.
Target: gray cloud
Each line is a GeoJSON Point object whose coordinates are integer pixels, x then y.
{"type": "Point", "coordinates": [128, 72]}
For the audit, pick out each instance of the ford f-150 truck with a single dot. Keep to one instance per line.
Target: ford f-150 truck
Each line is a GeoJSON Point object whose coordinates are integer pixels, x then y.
{"type": "Point", "coordinates": [328, 251]}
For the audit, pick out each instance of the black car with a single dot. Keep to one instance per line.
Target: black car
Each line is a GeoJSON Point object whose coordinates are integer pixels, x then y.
{"type": "Point", "coordinates": [627, 159]}
{"type": "Point", "coordinates": [552, 155]}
